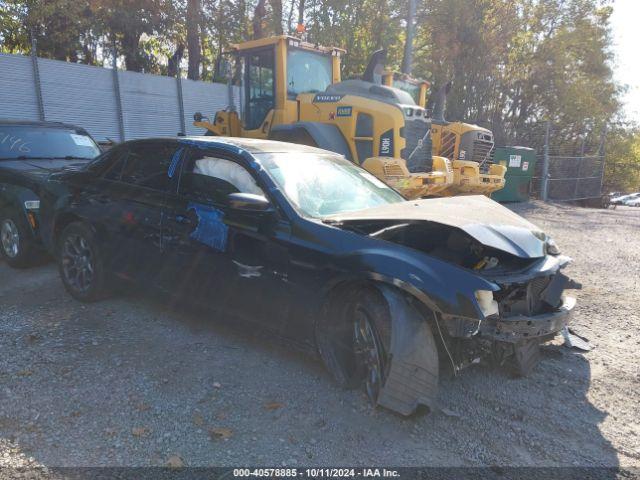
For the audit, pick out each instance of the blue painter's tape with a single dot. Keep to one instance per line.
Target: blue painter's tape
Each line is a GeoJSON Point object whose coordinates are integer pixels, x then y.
{"type": "Point", "coordinates": [211, 229]}
{"type": "Point", "coordinates": [175, 161]}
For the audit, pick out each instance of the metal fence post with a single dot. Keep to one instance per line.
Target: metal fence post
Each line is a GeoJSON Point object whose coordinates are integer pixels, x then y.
{"type": "Point", "coordinates": [183, 125]}
{"type": "Point", "coordinates": [545, 164]}
{"type": "Point", "coordinates": [116, 91]}
{"type": "Point", "coordinates": [601, 152]}
{"type": "Point", "coordinates": [36, 77]}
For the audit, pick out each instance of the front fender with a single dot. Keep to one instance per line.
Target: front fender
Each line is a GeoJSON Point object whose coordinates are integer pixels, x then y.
{"type": "Point", "coordinates": [443, 288]}
{"type": "Point", "coordinates": [13, 198]}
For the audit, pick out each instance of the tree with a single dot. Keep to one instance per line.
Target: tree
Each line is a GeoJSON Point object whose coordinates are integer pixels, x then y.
{"type": "Point", "coordinates": [407, 59]}
{"type": "Point", "coordinates": [124, 22]}
{"type": "Point", "coordinates": [193, 39]}
{"type": "Point", "coordinates": [259, 14]}
{"type": "Point", "coordinates": [622, 167]}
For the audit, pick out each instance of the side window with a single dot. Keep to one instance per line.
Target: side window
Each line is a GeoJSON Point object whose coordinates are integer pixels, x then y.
{"type": "Point", "coordinates": [147, 165]}
{"type": "Point", "coordinates": [208, 178]}
{"type": "Point", "coordinates": [115, 160]}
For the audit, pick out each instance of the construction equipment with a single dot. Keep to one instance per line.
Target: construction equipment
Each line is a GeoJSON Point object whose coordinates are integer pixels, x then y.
{"type": "Point", "coordinates": [469, 147]}
{"type": "Point", "coordinates": [291, 91]}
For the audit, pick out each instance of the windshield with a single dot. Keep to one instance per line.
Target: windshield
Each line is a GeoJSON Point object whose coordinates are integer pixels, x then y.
{"type": "Point", "coordinates": [307, 72]}
{"type": "Point", "coordinates": [25, 142]}
{"type": "Point", "coordinates": [410, 88]}
{"type": "Point", "coordinates": [320, 185]}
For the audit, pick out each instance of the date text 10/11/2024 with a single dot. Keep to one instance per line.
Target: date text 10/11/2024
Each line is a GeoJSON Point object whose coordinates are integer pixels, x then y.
{"type": "Point", "coordinates": [316, 472]}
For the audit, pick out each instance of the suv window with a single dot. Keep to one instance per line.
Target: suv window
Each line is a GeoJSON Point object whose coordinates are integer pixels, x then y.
{"type": "Point", "coordinates": [209, 178]}
{"type": "Point", "coordinates": [113, 161]}
{"type": "Point", "coordinates": [147, 165]}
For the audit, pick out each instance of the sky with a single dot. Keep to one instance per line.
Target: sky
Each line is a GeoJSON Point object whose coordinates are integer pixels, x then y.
{"type": "Point", "coordinates": [626, 34]}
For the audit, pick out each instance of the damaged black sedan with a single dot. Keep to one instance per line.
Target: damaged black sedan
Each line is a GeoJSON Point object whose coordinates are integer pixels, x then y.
{"type": "Point", "coordinates": [316, 249]}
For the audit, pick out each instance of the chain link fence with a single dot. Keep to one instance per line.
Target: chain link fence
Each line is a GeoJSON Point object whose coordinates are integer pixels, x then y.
{"type": "Point", "coordinates": [569, 167]}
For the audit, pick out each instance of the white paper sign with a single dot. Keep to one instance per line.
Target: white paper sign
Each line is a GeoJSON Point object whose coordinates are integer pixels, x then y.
{"type": "Point", "coordinates": [515, 160]}
{"type": "Point", "coordinates": [82, 140]}
{"type": "Point", "coordinates": [525, 166]}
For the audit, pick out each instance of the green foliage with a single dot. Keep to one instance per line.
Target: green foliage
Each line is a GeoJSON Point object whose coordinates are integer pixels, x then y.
{"type": "Point", "coordinates": [622, 170]}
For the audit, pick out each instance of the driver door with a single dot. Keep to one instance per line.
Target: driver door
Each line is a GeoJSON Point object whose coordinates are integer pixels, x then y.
{"type": "Point", "coordinates": [229, 259]}
{"type": "Point", "coordinates": [259, 92]}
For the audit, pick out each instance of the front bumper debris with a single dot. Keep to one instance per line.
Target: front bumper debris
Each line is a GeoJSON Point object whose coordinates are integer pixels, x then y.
{"type": "Point", "coordinates": [521, 327]}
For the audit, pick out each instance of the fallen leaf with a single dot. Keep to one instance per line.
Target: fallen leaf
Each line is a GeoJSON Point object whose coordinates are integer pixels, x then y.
{"type": "Point", "coordinates": [143, 407]}
{"type": "Point", "coordinates": [273, 405]}
{"type": "Point", "coordinates": [140, 431]}
{"type": "Point", "coordinates": [174, 461]}
{"type": "Point", "coordinates": [198, 419]}
{"type": "Point", "coordinates": [217, 385]}
{"type": "Point", "coordinates": [220, 433]}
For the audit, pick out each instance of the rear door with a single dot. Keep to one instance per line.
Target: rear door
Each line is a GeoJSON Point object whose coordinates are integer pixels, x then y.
{"type": "Point", "coordinates": [131, 199]}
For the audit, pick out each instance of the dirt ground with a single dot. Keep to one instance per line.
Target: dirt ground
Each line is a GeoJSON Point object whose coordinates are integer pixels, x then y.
{"type": "Point", "coordinates": [129, 382]}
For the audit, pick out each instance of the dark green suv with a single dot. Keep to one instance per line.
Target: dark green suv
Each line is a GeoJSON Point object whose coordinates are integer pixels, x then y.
{"type": "Point", "coordinates": [29, 153]}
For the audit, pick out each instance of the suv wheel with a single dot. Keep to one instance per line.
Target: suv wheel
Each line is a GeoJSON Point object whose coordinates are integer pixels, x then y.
{"type": "Point", "coordinates": [15, 245]}
{"type": "Point", "coordinates": [80, 264]}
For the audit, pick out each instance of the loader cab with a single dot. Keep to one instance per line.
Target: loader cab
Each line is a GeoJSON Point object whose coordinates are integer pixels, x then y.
{"type": "Point", "coordinates": [273, 72]}
{"type": "Point", "coordinates": [414, 87]}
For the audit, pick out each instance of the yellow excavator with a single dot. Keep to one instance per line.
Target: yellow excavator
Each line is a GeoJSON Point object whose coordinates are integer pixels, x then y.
{"type": "Point", "coordinates": [291, 91]}
{"type": "Point", "coordinates": [468, 147]}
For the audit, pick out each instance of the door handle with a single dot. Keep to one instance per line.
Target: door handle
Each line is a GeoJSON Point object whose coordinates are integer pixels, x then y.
{"type": "Point", "coordinates": [183, 220]}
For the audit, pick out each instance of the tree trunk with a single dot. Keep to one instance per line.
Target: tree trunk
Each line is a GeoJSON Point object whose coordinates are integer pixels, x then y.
{"type": "Point", "coordinates": [131, 51]}
{"type": "Point", "coordinates": [407, 59]}
{"type": "Point", "coordinates": [258, 17]}
{"type": "Point", "coordinates": [276, 6]}
{"type": "Point", "coordinates": [174, 61]}
{"type": "Point", "coordinates": [301, 12]}
{"type": "Point", "coordinates": [193, 39]}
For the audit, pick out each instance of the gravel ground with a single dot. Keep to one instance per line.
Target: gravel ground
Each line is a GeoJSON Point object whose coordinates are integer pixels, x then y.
{"type": "Point", "coordinates": [128, 381]}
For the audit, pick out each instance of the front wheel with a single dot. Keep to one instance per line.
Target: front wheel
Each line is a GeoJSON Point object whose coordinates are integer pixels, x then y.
{"type": "Point", "coordinates": [371, 341]}
{"type": "Point", "coordinates": [80, 264]}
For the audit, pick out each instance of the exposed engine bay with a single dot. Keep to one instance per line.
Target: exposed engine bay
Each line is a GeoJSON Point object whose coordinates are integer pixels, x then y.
{"type": "Point", "coordinates": [444, 242]}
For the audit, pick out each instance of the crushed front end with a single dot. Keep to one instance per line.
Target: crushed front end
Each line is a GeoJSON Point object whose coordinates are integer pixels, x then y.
{"type": "Point", "coordinates": [530, 307]}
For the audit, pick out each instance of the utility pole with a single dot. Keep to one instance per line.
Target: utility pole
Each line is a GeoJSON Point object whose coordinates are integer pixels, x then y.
{"type": "Point", "coordinates": [407, 59]}
{"type": "Point", "coordinates": [36, 75]}
{"type": "Point", "coordinates": [116, 92]}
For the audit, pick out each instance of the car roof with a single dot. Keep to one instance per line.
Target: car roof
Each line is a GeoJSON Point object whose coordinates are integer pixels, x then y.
{"type": "Point", "coordinates": [251, 145]}
{"type": "Point", "coordinates": [36, 123]}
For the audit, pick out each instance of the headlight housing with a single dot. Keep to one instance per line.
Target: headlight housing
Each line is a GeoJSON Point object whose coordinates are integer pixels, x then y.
{"type": "Point", "coordinates": [552, 247]}
{"type": "Point", "coordinates": [487, 304]}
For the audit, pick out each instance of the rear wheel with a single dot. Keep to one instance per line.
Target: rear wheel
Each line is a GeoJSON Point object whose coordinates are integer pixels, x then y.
{"type": "Point", "coordinates": [16, 245]}
{"type": "Point", "coordinates": [80, 264]}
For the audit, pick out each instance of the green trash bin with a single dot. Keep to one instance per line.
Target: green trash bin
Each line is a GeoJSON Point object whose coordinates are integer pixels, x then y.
{"type": "Point", "coordinates": [520, 163]}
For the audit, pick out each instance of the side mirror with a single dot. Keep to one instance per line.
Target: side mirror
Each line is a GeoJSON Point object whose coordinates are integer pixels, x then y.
{"type": "Point", "coordinates": [248, 202]}
{"type": "Point", "coordinates": [198, 117]}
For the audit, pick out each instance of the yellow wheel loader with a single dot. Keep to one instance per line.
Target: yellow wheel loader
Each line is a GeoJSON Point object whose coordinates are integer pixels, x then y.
{"type": "Point", "coordinates": [291, 91]}
{"type": "Point", "coordinates": [468, 147]}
